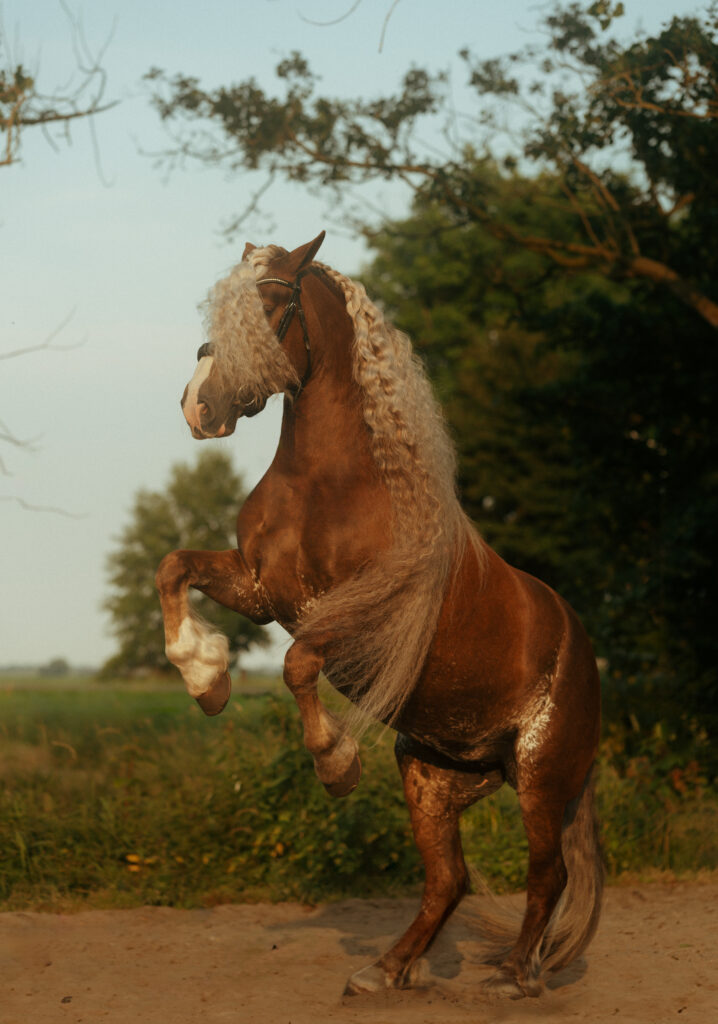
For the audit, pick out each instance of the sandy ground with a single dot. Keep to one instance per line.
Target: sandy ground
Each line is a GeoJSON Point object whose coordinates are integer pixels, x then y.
{"type": "Point", "coordinates": [653, 960]}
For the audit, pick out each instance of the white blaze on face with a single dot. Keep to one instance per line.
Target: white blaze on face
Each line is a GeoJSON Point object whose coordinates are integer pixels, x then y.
{"type": "Point", "coordinates": [191, 406]}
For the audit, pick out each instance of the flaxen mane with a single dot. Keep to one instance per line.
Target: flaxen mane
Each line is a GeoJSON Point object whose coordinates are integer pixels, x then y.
{"type": "Point", "coordinates": [246, 354]}
{"type": "Point", "coordinates": [382, 619]}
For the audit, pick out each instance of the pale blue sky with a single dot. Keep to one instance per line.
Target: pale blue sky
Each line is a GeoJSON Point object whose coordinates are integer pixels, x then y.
{"type": "Point", "coordinates": [131, 255]}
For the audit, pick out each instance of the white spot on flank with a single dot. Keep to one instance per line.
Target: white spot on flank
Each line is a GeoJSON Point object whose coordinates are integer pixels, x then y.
{"type": "Point", "coordinates": [533, 727]}
{"type": "Point", "coordinates": [199, 653]}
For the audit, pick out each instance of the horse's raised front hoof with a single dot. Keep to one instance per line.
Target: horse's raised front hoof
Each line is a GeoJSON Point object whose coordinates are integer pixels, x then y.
{"type": "Point", "coordinates": [505, 983]}
{"type": "Point", "coordinates": [215, 699]}
{"type": "Point", "coordinates": [347, 781]}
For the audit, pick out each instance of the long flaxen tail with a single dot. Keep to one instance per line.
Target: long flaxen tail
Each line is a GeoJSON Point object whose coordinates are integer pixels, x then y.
{"type": "Point", "coordinates": [575, 919]}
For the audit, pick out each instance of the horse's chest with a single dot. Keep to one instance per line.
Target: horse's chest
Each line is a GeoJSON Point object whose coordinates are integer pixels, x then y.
{"type": "Point", "coordinates": [290, 573]}
{"type": "Point", "coordinates": [298, 552]}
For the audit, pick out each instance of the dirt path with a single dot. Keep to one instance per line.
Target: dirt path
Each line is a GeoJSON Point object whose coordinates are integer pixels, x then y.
{"type": "Point", "coordinates": [654, 960]}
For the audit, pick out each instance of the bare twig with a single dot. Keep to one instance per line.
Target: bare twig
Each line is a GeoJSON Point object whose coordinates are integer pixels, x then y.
{"type": "Point", "coordinates": [386, 23]}
{"type": "Point", "coordinates": [334, 21]}
{"type": "Point", "coordinates": [251, 207]}
{"type": "Point", "coordinates": [45, 345]}
{"type": "Point", "coordinates": [347, 14]}
{"type": "Point", "coordinates": [54, 509]}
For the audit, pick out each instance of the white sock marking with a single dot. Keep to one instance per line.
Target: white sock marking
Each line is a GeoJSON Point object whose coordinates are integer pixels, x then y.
{"type": "Point", "coordinates": [199, 653]}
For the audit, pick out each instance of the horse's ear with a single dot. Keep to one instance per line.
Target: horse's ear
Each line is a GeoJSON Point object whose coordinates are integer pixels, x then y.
{"type": "Point", "coordinates": [304, 255]}
{"type": "Point", "coordinates": [247, 249]}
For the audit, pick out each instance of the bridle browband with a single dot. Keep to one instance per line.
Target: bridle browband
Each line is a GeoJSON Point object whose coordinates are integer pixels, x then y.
{"type": "Point", "coordinates": [293, 306]}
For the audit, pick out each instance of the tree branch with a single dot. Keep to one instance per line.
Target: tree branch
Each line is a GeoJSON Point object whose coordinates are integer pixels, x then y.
{"type": "Point", "coordinates": [54, 509]}
{"type": "Point", "coordinates": [45, 345]}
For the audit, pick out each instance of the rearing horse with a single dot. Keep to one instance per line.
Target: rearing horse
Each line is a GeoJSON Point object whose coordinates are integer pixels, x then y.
{"type": "Point", "coordinates": [354, 541]}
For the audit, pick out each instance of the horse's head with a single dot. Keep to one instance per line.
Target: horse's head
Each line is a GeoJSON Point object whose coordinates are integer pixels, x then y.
{"type": "Point", "coordinates": [257, 343]}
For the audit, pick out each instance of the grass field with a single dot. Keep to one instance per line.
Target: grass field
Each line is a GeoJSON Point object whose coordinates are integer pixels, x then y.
{"type": "Point", "coordinates": [122, 795]}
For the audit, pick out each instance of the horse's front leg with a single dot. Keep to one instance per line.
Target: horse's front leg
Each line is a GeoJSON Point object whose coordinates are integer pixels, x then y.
{"type": "Point", "coordinates": [198, 650]}
{"type": "Point", "coordinates": [336, 757]}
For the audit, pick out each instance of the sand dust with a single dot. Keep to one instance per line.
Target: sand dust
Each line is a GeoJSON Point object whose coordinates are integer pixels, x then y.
{"type": "Point", "coordinates": [653, 960]}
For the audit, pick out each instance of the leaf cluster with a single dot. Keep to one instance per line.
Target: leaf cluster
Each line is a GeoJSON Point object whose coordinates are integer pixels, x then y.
{"type": "Point", "coordinates": [308, 138]}
{"type": "Point", "coordinates": [626, 131]}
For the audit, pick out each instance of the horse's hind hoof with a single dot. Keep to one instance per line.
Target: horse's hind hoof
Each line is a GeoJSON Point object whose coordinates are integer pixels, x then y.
{"type": "Point", "coordinates": [505, 983]}
{"type": "Point", "coordinates": [370, 979]}
{"type": "Point", "coordinates": [347, 782]}
{"type": "Point", "coordinates": [215, 699]}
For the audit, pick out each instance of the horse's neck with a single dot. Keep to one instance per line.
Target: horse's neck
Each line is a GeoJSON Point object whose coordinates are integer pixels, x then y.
{"type": "Point", "coordinates": [324, 436]}
{"type": "Point", "coordinates": [323, 504]}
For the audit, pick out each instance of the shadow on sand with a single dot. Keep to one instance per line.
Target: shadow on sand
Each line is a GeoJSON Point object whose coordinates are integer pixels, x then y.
{"type": "Point", "coordinates": [367, 928]}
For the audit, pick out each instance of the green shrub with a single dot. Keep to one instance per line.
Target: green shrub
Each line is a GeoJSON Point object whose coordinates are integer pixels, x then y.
{"type": "Point", "coordinates": [119, 797]}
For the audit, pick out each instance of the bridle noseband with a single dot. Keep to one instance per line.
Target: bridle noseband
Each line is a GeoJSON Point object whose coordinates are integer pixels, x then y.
{"type": "Point", "coordinates": [293, 306]}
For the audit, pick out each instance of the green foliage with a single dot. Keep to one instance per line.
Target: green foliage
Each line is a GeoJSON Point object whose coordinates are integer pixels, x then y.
{"type": "Point", "coordinates": [667, 765]}
{"type": "Point", "coordinates": [128, 798]}
{"type": "Point", "coordinates": [595, 105]}
{"type": "Point", "coordinates": [581, 408]}
{"type": "Point", "coordinates": [473, 308]}
{"type": "Point", "coordinates": [116, 796]}
{"type": "Point", "coordinates": [197, 511]}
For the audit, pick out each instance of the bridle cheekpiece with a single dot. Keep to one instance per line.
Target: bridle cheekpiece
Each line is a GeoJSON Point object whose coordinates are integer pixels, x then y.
{"type": "Point", "coordinates": [293, 306]}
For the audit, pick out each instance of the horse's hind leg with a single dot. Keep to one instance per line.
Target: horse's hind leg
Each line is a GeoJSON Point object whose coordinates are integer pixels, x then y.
{"type": "Point", "coordinates": [542, 810]}
{"type": "Point", "coordinates": [336, 758]}
{"type": "Point", "coordinates": [436, 797]}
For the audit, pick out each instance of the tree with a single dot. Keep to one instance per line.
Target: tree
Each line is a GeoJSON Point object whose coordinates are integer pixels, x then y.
{"type": "Point", "coordinates": [24, 107]}
{"type": "Point", "coordinates": [649, 108]}
{"type": "Point", "coordinates": [55, 667]}
{"type": "Point", "coordinates": [581, 408]}
{"type": "Point", "coordinates": [473, 308]}
{"type": "Point", "coordinates": [196, 510]}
